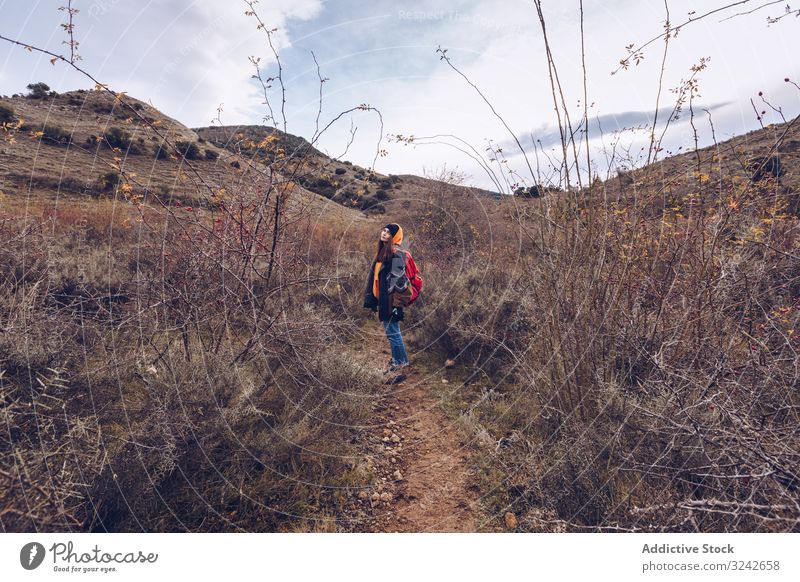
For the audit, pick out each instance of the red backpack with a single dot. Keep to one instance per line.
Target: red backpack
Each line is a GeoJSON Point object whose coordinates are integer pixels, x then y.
{"type": "Point", "coordinates": [406, 292]}
{"type": "Point", "coordinates": [412, 272]}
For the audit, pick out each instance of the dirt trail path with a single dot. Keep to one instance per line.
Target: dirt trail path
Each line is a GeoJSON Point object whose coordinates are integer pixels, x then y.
{"type": "Point", "coordinates": [432, 491]}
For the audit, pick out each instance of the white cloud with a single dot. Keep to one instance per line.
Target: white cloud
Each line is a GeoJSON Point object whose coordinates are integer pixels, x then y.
{"type": "Point", "coordinates": [186, 58]}
{"type": "Point", "coordinates": [190, 57]}
{"type": "Point", "coordinates": [498, 45]}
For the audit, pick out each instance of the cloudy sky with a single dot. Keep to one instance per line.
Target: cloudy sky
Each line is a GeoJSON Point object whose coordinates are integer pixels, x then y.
{"type": "Point", "coordinates": [188, 57]}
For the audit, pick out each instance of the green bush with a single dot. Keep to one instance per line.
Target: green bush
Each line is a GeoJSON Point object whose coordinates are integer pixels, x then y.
{"type": "Point", "coordinates": [529, 192]}
{"type": "Point", "coordinates": [321, 186]}
{"type": "Point", "coordinates": [764, 167]}
{"type": "Point", "coordinates": [56, 134]}
{"type": "Point", "coordinates": [188, 150]}
{"type": "Point", "coordinates": [162, 152]}
{"type": "Point", "coordinates": [370, 204]}
{"type": "Point", "coordinates": [38, 91]}
{"type": "Point", "coordinates": [117, 137]}
{"type": "Point", "coordinates": [6, 113]}
{"type": "Point", "coordinates": [102, 107]}
{"type": "Point", "coordinates": [52, 134]}
{"type": "Point", "coordinates": [340, 171]}
{"type": "Point", "coordinates": [211, 155]}
{"type": "Point", "coordinates": [109, 180]}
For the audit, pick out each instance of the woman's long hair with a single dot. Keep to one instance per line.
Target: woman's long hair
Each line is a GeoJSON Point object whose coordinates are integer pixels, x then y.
{"type": "Point", "coordinates": [385, 250]}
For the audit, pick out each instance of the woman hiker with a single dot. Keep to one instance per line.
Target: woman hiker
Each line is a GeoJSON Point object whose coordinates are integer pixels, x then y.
{"type": "Point", "coordinates": [393, 282]}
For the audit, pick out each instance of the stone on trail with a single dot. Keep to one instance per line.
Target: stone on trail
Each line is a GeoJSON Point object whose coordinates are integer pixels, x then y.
{"type": "Point", "coordinates": [511, 520]}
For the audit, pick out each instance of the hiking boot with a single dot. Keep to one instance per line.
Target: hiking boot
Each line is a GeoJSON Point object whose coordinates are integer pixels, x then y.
{"type": "Point", "coordinates": [396, 379]}
{"type": "Point", "coordinates": [392, 367]}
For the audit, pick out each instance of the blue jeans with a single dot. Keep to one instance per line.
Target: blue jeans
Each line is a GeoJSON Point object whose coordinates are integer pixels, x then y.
{"type": "Point", "coordinates": [399, 355]}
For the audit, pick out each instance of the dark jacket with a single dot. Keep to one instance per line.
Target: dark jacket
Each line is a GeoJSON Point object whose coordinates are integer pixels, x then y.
{"type": "Point", "coordinates": [389, 276]}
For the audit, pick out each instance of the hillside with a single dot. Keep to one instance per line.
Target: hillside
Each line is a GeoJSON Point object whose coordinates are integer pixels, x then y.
{"type": "Point", "coordinates": [735, 160]}
{"type": "Point", "coordinates": [338, 180]}
{"type": "Point", "coordinates": [65, 147]}
{"type": "Point", "coordinates": [84, 144]}
{"type": "Point", "coordinates": [64, 150]}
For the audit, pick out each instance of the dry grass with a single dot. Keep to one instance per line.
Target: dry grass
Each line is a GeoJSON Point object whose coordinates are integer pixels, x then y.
{"type": "Point", "coordinates": [637, 368]}
{"type": "Point", "coordinates": [628, 353]}
{"type": "Point", "coordinates": [144, 390]}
